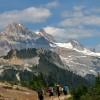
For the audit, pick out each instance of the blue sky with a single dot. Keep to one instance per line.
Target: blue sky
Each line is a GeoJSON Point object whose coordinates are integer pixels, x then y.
{"type": "Point", "coordinates": [64, 19]}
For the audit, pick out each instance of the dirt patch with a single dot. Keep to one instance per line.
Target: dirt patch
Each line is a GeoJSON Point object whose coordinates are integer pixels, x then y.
{"type": "Point", "coordinates": [13, 94]}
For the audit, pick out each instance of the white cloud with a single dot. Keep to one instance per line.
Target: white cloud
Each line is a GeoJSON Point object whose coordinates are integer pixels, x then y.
{"type": "Point", "coordinates": [77, 21]}
{"type": "Point", "coordinates": [32, 15]}
{"type": "Point", "coordinates": [52, 4]}
{"type": "Point", "coordinates": [80, 16]}
{"type": "Point", "coordinates": [73, 25]}
{"type": "Point", "coordinates": [62, 34]}
{"type": "Point", "coordinates": [78, 8]}
{"type": "Point", "coordinates": [66, 14]}
{"type": "Point", "coordinates": [77, 11]}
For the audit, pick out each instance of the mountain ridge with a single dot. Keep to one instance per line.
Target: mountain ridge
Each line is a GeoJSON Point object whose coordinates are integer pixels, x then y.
{"type": "Point", "coordinates": [25, 50]}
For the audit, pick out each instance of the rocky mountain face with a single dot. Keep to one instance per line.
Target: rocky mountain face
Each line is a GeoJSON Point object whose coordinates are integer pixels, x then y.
{"type": "Point", "coordinates": [24, 65]}
{"type": "Point", "coordinates": [16, 36]}
{"type": "Point", "coordinates": [78, 61]}
{"type": "Point", "coordinates": [24, 54]}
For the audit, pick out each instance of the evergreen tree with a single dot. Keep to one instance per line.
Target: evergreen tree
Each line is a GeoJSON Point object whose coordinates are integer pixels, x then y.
{"type": "Point", "coordinates": [94, 92]}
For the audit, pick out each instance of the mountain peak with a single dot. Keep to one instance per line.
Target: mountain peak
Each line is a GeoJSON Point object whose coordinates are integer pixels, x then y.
{"type": "Point", "coordinates": [76, 44]}
{"type": "Point", "coordinates": [16, 28]}
{"type": "Point", "coordinates": [47, 36]}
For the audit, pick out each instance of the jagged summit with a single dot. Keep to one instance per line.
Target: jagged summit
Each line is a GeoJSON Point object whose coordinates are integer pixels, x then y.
{"type": "Point", "coordinates": [71, 44]}
{"type": "Point", "coordinates": [46, 35]}
{"type": "Point", "coordinates": [18, 36]}
{"type": "Point", "coordinates": [70, 55]}
{"type": "Point", "coordinates": [76, 44]}
{"type": "Point", "coordinates": [16, 28]}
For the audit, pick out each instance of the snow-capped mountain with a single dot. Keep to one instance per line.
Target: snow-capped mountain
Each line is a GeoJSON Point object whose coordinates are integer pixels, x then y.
{"type": "Point", "coordinates": [17, 28]}
{"type": "Point", "coordinates": [70, 56]}
{"type": "Point", "coordinates": [17, 36]}
{"type": "Point", "coordinates": [76, 46]}
{"type": "Point", "coordinates": [46, 35]}
{"type": "Point", "coordinates": [72, 44]}
{"type": "Point", "coordinates": [79, 59]}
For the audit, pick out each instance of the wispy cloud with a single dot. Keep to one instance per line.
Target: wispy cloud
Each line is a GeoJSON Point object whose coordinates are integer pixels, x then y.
{"type": "Point", "coordinates": [63, 34]}
{"type": "Point", "coordinates": [53, 4]}
{"type": "Point", "coordinates": [77, 11]}
{"type": "Point", "coordinates": [85, 20]}
{"type": "Point", "coordinates": [80, 16]}
{"type": "Point", "coordinates": [76, 24]}
{"type": "Point", "coordinates": [28, 15]}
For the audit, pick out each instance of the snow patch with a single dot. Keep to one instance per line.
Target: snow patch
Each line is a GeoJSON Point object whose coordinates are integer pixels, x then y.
{"type": "Point", "coordinates": [76, 67]}
{"type": "Point", "coordinates": [88, 52]}
{"type": "Point", "coordinates": [18, 77]}
{"type": "Point", "coordinates": [65, 45]}
{"type": "Point", "coordinates": [84, 51]}
{"type": "Point", "coordinates": [52, 45]}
